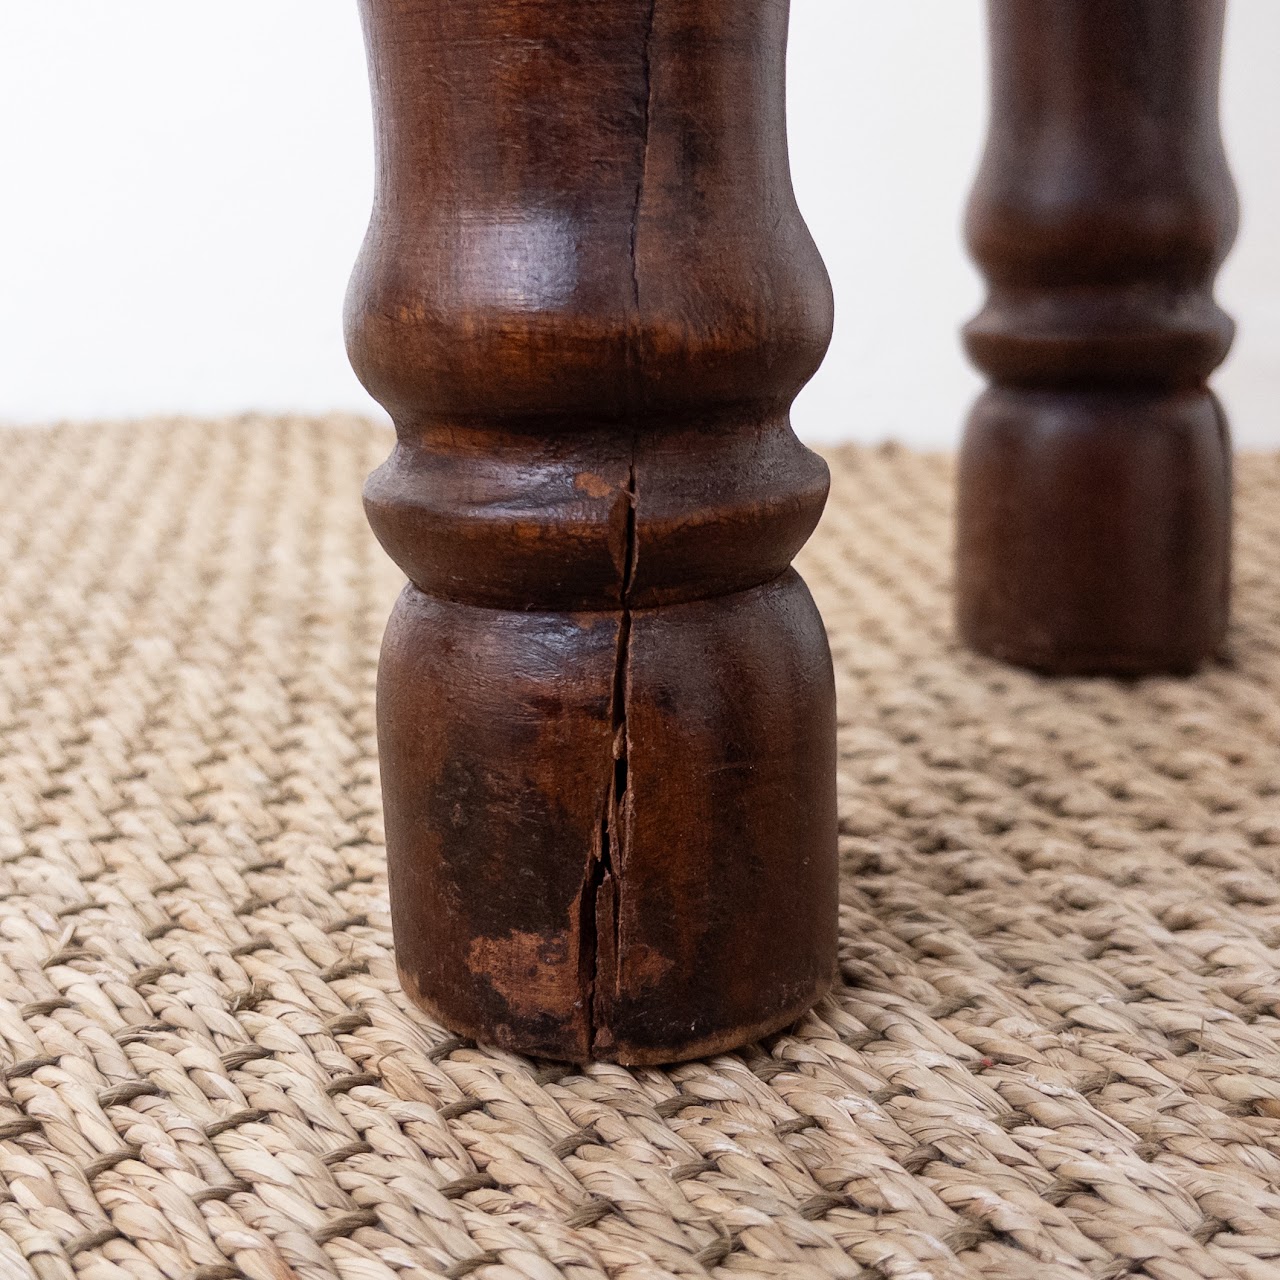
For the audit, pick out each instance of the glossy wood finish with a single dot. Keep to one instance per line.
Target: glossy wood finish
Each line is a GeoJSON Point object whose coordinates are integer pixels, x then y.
{"type": "Point", "coordinates": [606, 708]}
{"type": "Point", "coordinates": [1094, 507]}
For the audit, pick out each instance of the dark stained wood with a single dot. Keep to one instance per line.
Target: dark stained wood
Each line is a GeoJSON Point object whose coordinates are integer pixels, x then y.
{"type": "Point", "coordinates": [606, 707]}
{"type": "Point", "coordinates": [1094, 504]}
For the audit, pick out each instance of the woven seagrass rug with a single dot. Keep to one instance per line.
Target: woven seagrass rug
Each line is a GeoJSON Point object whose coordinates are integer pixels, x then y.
{"type": "Point", "coordinates": [1055, 1051]}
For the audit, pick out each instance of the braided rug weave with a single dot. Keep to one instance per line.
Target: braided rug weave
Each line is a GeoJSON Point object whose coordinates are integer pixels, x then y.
{"type": "Point", "coordinates": [1055, 1051]}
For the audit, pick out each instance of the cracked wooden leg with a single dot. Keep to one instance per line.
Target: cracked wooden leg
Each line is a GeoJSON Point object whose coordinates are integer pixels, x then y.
{"type": "Point", "coordinates": [606, 709]}
{"type": "Point", "coordinates": [1094, 503]}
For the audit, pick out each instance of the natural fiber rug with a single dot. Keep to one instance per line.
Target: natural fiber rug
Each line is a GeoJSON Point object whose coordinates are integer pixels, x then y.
{"type": "Point", "coordinates": [1056, 1052]}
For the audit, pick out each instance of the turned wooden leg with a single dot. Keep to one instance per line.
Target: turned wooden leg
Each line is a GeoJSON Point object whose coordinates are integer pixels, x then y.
{"type": "Point", "coordinates": [1094, 504]}
{"type": "Point", "coordinates": [606, 710]}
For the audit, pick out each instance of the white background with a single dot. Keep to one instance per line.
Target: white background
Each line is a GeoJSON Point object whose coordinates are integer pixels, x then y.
{"type": "Point", "coordinates": [186, 184]}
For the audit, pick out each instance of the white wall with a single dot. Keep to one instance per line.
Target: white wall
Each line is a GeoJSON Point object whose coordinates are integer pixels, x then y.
{"type": "Point", "coordinates": [186, 185]}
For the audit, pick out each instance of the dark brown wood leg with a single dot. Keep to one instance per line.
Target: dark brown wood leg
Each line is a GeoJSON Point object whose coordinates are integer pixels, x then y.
{"type": "Point", "coordinates": [606, 709]}
{"type": "Point", "coordinates": [1094, 505]}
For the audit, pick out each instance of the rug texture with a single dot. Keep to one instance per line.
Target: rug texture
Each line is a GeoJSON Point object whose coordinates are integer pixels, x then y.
{"type": "Point", "coordinates": [1054, 1053]}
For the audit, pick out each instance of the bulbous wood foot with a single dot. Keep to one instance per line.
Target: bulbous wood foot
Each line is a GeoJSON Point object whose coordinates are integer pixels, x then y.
{"type": "Point", "coordinates": [1096, 530]}
{"type": "Point", "coordinates": [609, 833]}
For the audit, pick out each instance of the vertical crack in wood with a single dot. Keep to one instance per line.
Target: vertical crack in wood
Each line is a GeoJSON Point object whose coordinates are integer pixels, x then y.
{"type": "Point", "coordinates": [646, 94]}
{"type": "Point", "coordinates": [601, 896]}
{"type": "Point", "coordinates": [602, 892]}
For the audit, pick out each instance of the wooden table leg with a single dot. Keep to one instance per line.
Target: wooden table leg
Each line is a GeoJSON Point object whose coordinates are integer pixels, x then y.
{"type": "Point", "coordinates": [1094, 490]}
{"type": "Point", "coordinates": [606, 710]}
